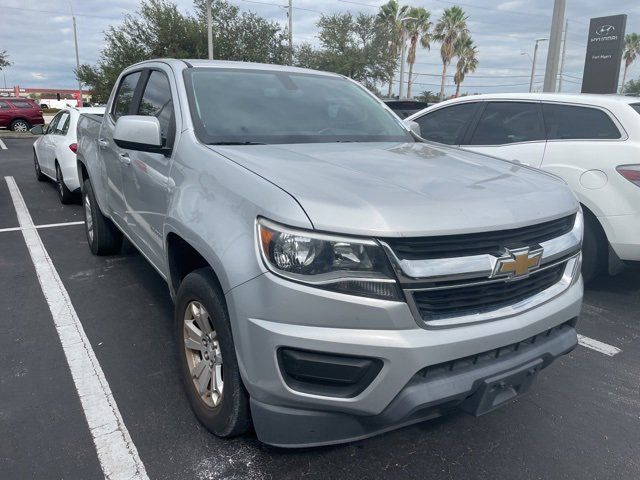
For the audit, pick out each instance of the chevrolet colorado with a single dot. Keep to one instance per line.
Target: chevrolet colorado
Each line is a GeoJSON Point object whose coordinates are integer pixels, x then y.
{"type": "Point", "coordinates": [334, 276]}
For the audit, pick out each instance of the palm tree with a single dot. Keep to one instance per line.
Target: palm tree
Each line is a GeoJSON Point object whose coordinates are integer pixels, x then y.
{"type": "Point", "coordinates": [467, 53]}
{"type": "Point", "coordinates": [4, 60]}
{"type": "Point", "coordinates": [451, 25]}
{"type": "Point", "coordinates": [631, 51]}
{"type": "Point", "coordinates": [418, 27]}
{"type": "Point", "coordinates": [390, 18]}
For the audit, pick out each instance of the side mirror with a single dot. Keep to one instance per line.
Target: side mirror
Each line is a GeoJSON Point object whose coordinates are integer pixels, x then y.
{"type": "Point", "coordinates": [414, 127]}
{"type": "Point", "coordinates": [37, 130]}
{"type": "Point", "coordinates": [138, 132]}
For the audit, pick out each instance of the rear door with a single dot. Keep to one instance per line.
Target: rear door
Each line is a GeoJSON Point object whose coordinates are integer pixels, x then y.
{"type": "Point", "coordinates": [584, 138]}
{"type": "Point", "coordinates": [124, 103]}
{"type": "Point", "coordinates": [511, 130]}
{"type": "Point", "coordinates": [145, 178]}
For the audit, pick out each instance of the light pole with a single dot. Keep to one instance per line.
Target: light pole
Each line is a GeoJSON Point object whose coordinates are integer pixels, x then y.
{"type": "Point", "coordinates": [555, 38]}
{"type": "Point", "coordinates": [290, 15]}
{"type": "Point", "coordinates": [209, 30]}
{"type": "Point", "coordinates": [402, 55]}
{"type": "Point", "coordinates": [564, 52]}
{"type": "Point", "coordinates": [533, 65]}
{"type": "Point", "coordinates": [75, 39]}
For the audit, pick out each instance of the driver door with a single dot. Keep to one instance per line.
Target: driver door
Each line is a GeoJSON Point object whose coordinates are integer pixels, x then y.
{"type": "Point", "coordinates": [448, 124]}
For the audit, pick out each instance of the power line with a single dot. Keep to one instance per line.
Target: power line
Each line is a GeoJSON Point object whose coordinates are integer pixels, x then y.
{"type": "Point", "coordinates": [468, 86]}
{"type": "Point", "coordinates": [60, 13]}
{"type": "Point", "coordinates": [282, 6]}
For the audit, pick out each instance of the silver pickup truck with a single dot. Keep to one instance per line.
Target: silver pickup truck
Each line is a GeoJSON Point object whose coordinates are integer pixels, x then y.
{"type": "Point", "coordinates": [334, 276]}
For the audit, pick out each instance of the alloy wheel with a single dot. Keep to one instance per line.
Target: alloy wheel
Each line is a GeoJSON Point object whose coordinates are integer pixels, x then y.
{"type": "Point", "coordinates": [203, 354]}
{"type": "Point", "coordinates": [88, 218]}
{"type": "Point", "coordinates": [20, 127]}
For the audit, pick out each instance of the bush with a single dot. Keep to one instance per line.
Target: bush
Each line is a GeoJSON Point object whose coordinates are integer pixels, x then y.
{"type": "Point", "coordinates": [50, 111]}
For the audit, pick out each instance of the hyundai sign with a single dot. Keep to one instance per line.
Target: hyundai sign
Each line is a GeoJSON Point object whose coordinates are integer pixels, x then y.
{"type": "Point", "coordinates": [604, 54]}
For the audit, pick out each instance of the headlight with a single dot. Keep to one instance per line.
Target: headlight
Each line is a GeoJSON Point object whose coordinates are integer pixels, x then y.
{"type": "Point", "coordinates": [342, 264]}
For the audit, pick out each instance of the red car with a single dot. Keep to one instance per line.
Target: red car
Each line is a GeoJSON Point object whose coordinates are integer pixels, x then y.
{"type": "Point", "coordinates": [20, 114]}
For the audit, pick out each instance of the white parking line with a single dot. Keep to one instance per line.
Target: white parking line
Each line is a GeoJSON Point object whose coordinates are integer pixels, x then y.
{"type": "Point", "coordinates": [116, 451]}
{"type": "Point", "coordinates": [2, 145]}
{"type": "Point", "coordinates": [47, 225]}
{"type": "Point", "coordinates": [598, 346]}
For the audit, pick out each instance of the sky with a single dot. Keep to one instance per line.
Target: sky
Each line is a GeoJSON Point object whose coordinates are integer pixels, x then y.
{"type": "Point", "coordinates": [38, 36]}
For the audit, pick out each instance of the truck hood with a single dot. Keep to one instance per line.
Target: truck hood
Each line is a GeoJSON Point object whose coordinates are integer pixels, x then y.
{"type": "Point", "coordinates": [408, 189]}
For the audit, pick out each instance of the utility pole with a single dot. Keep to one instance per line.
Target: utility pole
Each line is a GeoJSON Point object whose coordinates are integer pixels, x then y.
{"type": "Point", "coordinates": [209, 30]}
{"type": "Point", "coordinates": [553, 55]}
{"type": "Point", "coordinates": [75, 39]}
{"type": "Point", "coordinates": [290, 15]}
{"type": "Point", "coordinates": [533, 62]}
{"type": "Point", "coordinates": [564, 51]}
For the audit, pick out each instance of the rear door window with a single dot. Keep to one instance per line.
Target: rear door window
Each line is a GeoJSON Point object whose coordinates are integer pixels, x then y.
{"type": "Point", "coordinates": [636, 107]}
{"type": "Point", "coordinates": [570, 122]}
{"type": "Point", "coordinates": [447, 125]}
{"type": "Point", "coordinates": [21, 104]}
{"type": "Point", "coordinates": [157, 102]}
{"type": "Point", "coordinates": [122, 104]}
{"type": "Point", "coordinates": [503, 123]}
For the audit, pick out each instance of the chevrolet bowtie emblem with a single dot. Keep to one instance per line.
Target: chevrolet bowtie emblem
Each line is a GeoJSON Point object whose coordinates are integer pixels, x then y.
{"type": "Point", "coordinates": [518, 263]}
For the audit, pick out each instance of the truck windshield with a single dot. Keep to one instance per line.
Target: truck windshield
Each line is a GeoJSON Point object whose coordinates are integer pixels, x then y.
{"type": "Point", "coordinates": [237, 106]}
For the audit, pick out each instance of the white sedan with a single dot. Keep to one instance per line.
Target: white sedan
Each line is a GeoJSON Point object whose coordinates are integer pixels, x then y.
{"type": "Point", "coordinates": [591, 141]}
{"type": "Point", "coordinates": [54, 152]}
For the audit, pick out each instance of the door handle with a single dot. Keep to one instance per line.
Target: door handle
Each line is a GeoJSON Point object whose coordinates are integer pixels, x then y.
{"type": "Point", "coordinates": [102, 143]}
{"type": "Point", "coordinates": [124, 158]}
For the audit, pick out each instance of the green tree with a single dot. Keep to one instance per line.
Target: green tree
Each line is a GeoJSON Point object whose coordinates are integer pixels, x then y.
{"type": "Point", "coordinates": [631, 51]}
{"type": "Point", "coordinates": [4, 59]}
{"type": "Point", "coordinates": [418, 27]}
{"type": "Point", "coordinates": [467, 53]}
{"type": "Point", "coordinates": [159, 30]}
{"type": "Point", "coordinates": [632, 87]}
{"type": "Point", "coordinates": [351, 46]}
{"type": "Point", "coordinates": [428, 96]}
{"type": "Point", "coordinates": [450, 26]}
{"type": "Point", "coordinates": [389, 19]}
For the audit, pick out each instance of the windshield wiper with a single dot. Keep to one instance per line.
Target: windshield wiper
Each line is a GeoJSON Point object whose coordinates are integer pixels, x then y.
{"type": "Point", "coordinates": [236, 143]}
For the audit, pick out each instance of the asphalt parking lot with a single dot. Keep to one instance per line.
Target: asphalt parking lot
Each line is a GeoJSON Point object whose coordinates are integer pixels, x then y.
{"type": "Point", "coordinates": [581, 419]}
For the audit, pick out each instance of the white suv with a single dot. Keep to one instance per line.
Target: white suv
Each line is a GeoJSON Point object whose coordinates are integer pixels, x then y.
{"type": "Point", "coordinates": [591, 141]}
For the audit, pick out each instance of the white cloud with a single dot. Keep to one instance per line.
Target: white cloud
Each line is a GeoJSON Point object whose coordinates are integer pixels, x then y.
{"type": "Point", "coordinates": [38, 75]}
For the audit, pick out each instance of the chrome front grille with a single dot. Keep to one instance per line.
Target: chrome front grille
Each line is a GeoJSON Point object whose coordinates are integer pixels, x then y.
{"type": "Point", "coordinates": [464, 286]}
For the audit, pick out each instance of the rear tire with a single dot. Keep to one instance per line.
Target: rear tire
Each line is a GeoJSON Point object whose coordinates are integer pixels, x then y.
{"type": "Point", "coordinates": [20, 126]}
{"type": "Point", "coordinates": [39, 175]}
{"type": "Point", "coordinates": [594, 249]}
{"type": "Point", "coordinates": [66, 196]}
{"type": "Point", "coordinates": [223, 411]}
{"type": "Point", "coordinates": [103, 236]}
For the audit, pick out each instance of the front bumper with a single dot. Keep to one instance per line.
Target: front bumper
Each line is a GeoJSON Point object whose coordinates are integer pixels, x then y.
{"type": "Point", "coordinates": [269, 313]}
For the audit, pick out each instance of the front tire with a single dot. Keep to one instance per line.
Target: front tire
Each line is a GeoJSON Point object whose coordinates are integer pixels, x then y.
{"type": "Point", "coordinates": [594, 249]}
{"type": "Point", "coordinates": [66, 196]}
{"type": "Point", "coordinates": [36, 164]}
{"type": "Point", "coordinates": [207, 356]}
{"type": "Point", "coordinates": [103, 236]}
